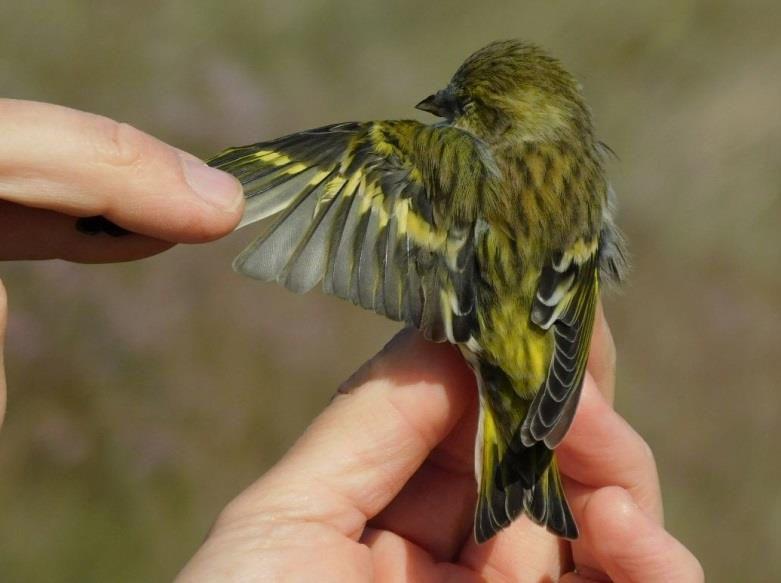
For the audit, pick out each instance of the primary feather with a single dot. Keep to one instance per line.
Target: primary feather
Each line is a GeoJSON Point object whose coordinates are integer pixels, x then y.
{"type": "Point", "coordinates": [370, 214]}
{"type": "Point", "coordinates": [489, 230]}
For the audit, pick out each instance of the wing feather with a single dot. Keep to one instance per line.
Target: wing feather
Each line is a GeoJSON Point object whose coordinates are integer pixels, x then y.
{"type": "Point", "coordinates": [336, 279]}
{"type": "Point", "coordinates": [393, 282]}
{"type": "Point", "coordinates": [267, 257]}
{"type": "Point", "coordinates": [367, 208]}
{"type": "Point", "coordinates": [306, 266]}
{"type": "Point", "coordinates": [282, 189]}
{"type": "Point", "coordinates": [565, 302]}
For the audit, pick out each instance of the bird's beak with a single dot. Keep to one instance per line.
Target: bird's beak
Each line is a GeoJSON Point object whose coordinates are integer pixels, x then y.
{"type": "Point", "coordinates": [441, 104]}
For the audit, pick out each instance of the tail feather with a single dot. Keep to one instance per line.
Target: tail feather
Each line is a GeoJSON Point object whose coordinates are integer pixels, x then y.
{"type": "Point", "coordinates": [496, 506]}
{"type": "Point", "coordinates": [515, 480]}
{"type": "Point", "coordinates": [548, 505]}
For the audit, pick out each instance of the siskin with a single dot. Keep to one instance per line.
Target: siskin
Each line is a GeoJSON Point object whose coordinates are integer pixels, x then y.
{"type": "Point", "coordinates": [490, 229]}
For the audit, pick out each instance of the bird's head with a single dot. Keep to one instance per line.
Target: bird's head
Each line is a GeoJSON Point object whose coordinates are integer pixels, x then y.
{"type": "Point", "coordinates": [512, 90]}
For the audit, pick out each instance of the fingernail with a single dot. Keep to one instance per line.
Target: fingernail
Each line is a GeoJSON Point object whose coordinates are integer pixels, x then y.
{"type": "Point", "coordinates": [216, 187]}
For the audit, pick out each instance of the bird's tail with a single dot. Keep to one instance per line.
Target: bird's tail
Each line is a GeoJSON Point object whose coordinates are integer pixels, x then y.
{"type": "Point", "coordinates": [514, 478]}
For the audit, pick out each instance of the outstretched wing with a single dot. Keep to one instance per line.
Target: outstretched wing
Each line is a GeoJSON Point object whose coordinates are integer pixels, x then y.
{"type": "Point", "coordinates": [565, 302]}
{"type": "Point", "coordinates": [383, 213]}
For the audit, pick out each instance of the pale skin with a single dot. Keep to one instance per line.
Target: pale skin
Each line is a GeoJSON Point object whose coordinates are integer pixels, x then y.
{"type": "Point", "coordinates": [380, 486]}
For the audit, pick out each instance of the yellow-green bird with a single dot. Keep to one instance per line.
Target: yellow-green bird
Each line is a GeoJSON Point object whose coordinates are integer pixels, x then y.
{"type": "Point", "coordinates": [490, 229]}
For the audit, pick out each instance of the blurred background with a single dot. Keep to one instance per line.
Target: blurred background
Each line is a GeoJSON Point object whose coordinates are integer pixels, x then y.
{"type": "Point", "coordinates": [144, 396]}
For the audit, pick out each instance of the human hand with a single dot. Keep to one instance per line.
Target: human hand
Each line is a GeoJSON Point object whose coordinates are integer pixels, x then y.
{"type": "Point", "coordinates": [58, 163]}
{"type": "Point", "coordinates": [381, 487]}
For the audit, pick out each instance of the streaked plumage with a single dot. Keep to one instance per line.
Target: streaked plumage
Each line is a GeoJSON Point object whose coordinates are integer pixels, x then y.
{"type": "Point", "coordinates": [489, 230]}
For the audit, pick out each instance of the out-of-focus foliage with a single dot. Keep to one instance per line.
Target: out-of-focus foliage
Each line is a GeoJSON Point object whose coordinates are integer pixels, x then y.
{"type": "Point", "coordinates": [143, 396]}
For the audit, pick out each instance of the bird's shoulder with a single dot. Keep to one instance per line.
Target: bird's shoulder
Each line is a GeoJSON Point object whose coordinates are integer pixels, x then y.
{"type": "Point", "coordinates": [456, 169]}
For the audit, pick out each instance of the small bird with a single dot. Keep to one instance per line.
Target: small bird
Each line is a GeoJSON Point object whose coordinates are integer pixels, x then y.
{"type": "Point", "coordinates": [490, 229]}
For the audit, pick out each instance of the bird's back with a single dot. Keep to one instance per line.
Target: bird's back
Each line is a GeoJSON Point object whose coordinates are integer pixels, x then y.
{"type": "Point", "coordinates": [549, 189]}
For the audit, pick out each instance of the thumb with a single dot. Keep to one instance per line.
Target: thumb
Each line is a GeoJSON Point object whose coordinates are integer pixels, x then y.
{"type": "Point", "coordinates": [59, 163]}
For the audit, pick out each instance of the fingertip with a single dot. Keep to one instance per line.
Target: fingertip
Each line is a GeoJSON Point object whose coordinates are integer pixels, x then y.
{"type": "Point", "coordinates": [190, 202]}
{"type": "Point", "coordinates": [397, 344]}
{"type": "Point", "coordinates": [157, 190]}
{"type": "Point", "coordinates": [611, 512]}
{"type": "Point", "coordinates": [608, 519]}
{"type": "Point", "coordinates": [630, 545]}
{"type": "Point", "coordinates": [426, 383]}
{"type": "Point", "coordinates": [218, 189]}
{"type": "Point", "coordinates": [410, 358]}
